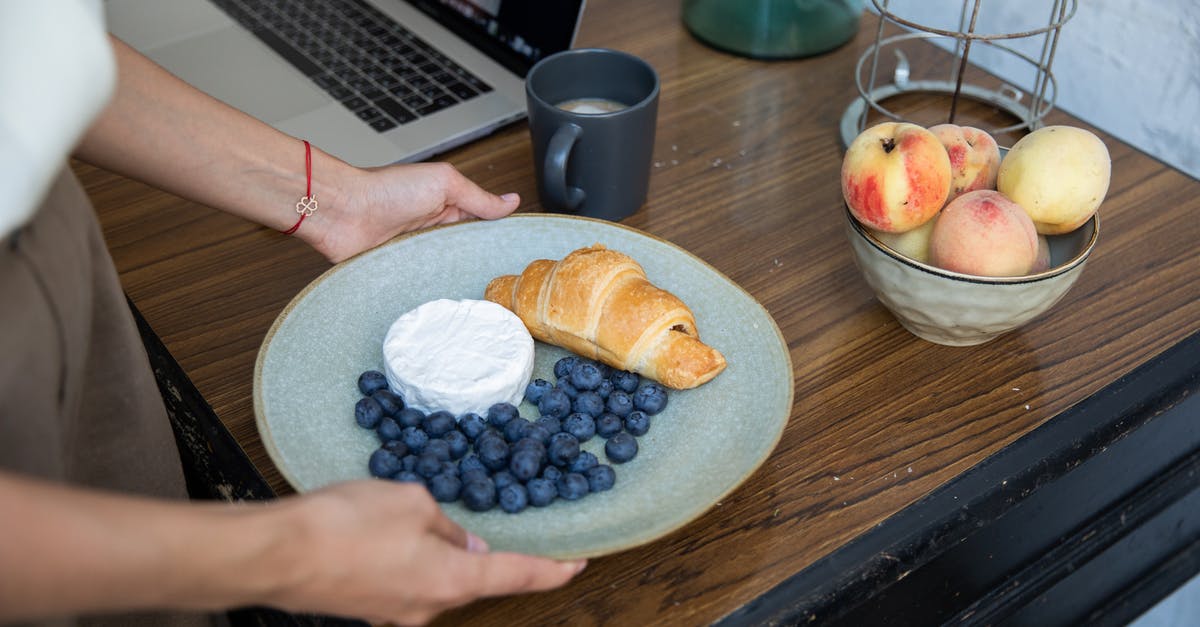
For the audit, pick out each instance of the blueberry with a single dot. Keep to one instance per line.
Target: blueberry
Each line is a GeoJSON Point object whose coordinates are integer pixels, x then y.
{"type": "Point", "coordinates": [554, 402]}
{"type": "Point", "coordinates": [563, 448]}
{"type": "Point", "coordinates": [625, 381]}
{"type": "Point", "coordinates": [606, 388]}
{"type": "Point", "coordinates": [581, 464]}
{"type": "Point", "coordinates": [586, 375]}
{"type": "Point", "coordinates": [535, 390]}
{"type": "Point", "coordinates": [440, 423]}
{"type": "Point", "coordinates": [479, 496]}
{"type": "Point", "coordinates": [367, 413]}
{"type": "Point", "coordinates": [637, 422]}
{"type": "Point", "coordinates": [398, 448]}
{"type": "Point", "coordinates": [493, 453]}
{"type": "Point", "coordinates": [513, 498]}
{"type": "Point", "coordinates": [474, 474]}
{"type": "Point", "coordinates": [472, 425]}
{"type": "Point", "coordinates": [445, 488]}
{"type": "Point", "coordinates": [562, 367]}
{"type": "Point", "coordinates": [550, 423]}
{"type": "Point", "coordinates": [525, 465]}
{"type": "Point", "coordinates": [408, 463]}
{"type": "Point", "coordinates": [589, 402]}
{"type": "Point", "coordinates": [572, 486]}
{"type": "Point", "coordinates": [621, 448]}
{"type": "Point", "coordinates": [408, 476]}
{"type": "Point", "coordinates": [438, 448]}
{"type": "Point", "coordinates": [619, 403]}
{"type": "Point", "coordinates": [389, 401]}
{"type": "Point", "coordinates": [389, 429]}
{"type": "Point", "coordinates": [570, 390]}
{"type": "Point", "coordinates": [537, 432]}
{"type": "Point", "coordinates": [383, 463]}
{"type": "Point", "coordinates": [552, 473]}
{"type": "Point", "coordinates": [500, 414]}
{"type": "Point", "coordinates": [541, 492]}
{"type": "Point", "coordinates": [458, 444]}
{"type": "Point", "coordinates": [650, 398]}
{"type": "Point", "coordinates": [428, 465]}
{"type": "Point", "coordinates": [529, 444]}
{"type": "Point", "coordinates": [471, 462]}
{"type": "Point", "coordinates": [600, 478]}
{"type": "Point", "coordinates": [414, 438]}
{"type": "Point", "coordinates": [516, 429]}
{"type": "Point", "coordinates": [580, 425]}
{"type": "Point", "coordinates": [410, 417]}
{"type": "Point", "coordinates": [608, 425]}
{"type": "Point", "coordinates": [503, 478]}
{"type": "Point", "coordinates": [371, 381]}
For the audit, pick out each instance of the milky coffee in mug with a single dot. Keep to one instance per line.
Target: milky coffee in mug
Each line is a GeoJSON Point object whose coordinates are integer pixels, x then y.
{"type": "Point", "coordinates": [591, 106]}
{"type": "Point", "coordinates": [592, 116]}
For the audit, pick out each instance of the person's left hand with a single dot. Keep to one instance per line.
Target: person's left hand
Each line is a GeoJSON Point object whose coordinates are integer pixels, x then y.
{"type": "Point", "coordinates": [377, 204]}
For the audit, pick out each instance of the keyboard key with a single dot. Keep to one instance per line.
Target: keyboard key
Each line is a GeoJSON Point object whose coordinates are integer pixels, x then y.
{"type": "Point", "coordinates": [367, 114]}
{"type": "Point", "coordinates": [396, 110]}
{"type": "Point", "coordinates": [383, 124]}
{"type": "Point", "coordinates": [462, 90]}
{"type": "Point", "coordinates": [285, 50]}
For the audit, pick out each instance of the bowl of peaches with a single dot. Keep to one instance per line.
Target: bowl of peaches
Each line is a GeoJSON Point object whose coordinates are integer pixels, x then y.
{"type": "Point", "coordinates": [963, 241]}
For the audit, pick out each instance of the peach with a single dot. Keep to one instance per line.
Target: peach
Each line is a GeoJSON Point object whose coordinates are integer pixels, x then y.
{"type": "Point", "coordinates": [1042, 263]}
{"type": "Point", "coordinates": [984, 234]}
{"type": "Point", "coordinates": [895, 176]}
{"type": "Point", "coordinates": [974, 157]}
{"type": "Point", "coordinates": [913, 243]}
{"type": "Point", "coordinates": [1058, 174]}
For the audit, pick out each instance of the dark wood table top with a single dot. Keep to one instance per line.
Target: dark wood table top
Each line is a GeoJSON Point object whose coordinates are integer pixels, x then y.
{"type": "Point", "coordinates": [745, 176]}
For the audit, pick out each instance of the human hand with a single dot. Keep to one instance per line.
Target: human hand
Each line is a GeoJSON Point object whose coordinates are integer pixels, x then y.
{"type": "Point", "coordinates": [377, 204]}
{"type": "Point", "coordinates": [385, 552]}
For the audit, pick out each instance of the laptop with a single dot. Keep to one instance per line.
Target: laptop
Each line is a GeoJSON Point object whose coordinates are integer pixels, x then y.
{"type": "Point", "coordinates": [370, 81]}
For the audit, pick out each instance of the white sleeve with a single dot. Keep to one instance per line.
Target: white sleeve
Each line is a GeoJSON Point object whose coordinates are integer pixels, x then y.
{"type": "Point", "coordinates": [57, 72]}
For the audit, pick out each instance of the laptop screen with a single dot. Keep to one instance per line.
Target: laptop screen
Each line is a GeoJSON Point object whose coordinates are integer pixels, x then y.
{"type": "Point", "coordinates": [516, 33]}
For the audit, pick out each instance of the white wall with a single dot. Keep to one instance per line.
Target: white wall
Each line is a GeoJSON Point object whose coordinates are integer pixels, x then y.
{"type": "Point", "coordinates": [1129, 67]}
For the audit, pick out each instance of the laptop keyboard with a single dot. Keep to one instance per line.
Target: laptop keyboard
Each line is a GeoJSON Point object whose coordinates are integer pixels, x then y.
{"type": "Point", "coordinates": [375, 67]}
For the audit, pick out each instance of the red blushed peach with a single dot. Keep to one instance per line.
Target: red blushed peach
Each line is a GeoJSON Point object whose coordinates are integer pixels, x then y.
{"type": "Point", "coordinates": [985, 234]}
{"type": "Point", "coordinates": [974, 157]}
{"type": "Point", "coordinates": [895, 176]}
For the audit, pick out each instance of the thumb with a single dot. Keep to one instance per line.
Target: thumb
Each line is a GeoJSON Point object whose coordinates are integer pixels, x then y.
{"type": "Point", "coordinates": [498, 574]}
{"type": "Point", "coordinates": [472, 199]}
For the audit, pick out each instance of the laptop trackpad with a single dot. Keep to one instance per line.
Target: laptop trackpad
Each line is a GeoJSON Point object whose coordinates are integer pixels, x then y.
{"type": "Point", "coordinates": [230, 64]}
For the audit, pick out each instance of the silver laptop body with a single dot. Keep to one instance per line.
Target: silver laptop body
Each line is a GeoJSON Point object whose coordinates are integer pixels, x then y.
{"type": "Point", "coordinates": [200, 41]}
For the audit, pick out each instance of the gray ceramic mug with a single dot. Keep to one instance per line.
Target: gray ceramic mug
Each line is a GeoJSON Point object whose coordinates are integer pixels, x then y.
{"type": "Point", "coordinates": [592, 114]}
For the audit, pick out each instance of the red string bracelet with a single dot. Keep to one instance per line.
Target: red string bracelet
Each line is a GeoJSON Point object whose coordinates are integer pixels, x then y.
{"type": "Point", "coordinates": [307, 205]}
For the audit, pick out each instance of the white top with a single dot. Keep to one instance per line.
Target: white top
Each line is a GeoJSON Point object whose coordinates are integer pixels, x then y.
{"type": "Point", "coordinates": [459, 356]}
{"type": "Point", "coordinates": [57, 72]}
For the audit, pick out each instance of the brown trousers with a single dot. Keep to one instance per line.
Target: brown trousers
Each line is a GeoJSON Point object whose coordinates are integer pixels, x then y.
{"type": "Point", "coordinates": [78, 402]}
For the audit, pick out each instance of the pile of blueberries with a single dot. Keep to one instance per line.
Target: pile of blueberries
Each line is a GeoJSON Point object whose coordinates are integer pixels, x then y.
{"type": "Point", "coordinates": [503, 458]}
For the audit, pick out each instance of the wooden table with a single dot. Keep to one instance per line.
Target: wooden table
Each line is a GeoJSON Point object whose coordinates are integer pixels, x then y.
{"type": "Point", "coordinates": [899, 454]}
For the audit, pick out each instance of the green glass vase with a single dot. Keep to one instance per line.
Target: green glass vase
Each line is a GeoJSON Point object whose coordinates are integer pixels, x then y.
{"type": "Point", "coordinates": [773, 29]}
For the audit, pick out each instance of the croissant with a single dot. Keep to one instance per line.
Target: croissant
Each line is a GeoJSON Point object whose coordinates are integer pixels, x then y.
{"type": "Point", "coordinates": [598, 303]}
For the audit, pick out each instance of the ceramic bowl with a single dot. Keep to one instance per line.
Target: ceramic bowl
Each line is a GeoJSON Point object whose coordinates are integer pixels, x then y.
{"type": "Point", "coordinates": [957, 309]}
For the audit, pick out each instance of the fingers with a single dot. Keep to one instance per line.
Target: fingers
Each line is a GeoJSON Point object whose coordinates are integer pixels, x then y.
{"type": "Point", "coordinates": [470, 198]}
{"type": "Point", "coordinates": [497, 574]}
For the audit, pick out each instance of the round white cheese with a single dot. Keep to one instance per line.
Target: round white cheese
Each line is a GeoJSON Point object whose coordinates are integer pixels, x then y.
{"type": "Point", "coordinates": [459, 356]}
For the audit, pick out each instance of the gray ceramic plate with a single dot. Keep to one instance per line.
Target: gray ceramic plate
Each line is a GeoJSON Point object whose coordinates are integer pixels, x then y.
{"type": "Point", "coordinates": [706, 443]}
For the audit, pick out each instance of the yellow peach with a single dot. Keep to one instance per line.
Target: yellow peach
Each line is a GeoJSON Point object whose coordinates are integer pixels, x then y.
{"type": "Point", "coordinates": [1058, 174]}
{"type": "Point", "coordinates": [895, 176]}
{"type": "Point", "coordinates": [913, 243]}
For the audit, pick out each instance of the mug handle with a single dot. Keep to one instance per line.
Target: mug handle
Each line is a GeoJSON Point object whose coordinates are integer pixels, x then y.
{"type": "Point", "coordinates": [557, 153]}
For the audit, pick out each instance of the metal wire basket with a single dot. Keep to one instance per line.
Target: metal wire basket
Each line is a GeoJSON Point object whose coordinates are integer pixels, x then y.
{"type": "Point", "coordinates": [1028, 106]}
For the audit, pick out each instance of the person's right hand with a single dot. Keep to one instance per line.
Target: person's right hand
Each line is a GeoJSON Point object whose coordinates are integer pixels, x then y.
{"type": "Point", "coordinates": [385, 552]}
